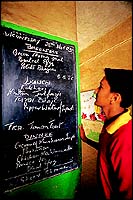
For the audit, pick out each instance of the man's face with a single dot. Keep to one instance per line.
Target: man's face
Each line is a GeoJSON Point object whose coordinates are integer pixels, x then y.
{"type": "Point", "coordinates": [103, 94]}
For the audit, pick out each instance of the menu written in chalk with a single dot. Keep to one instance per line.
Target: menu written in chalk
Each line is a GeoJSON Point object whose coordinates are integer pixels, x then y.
{"type": "Point", "coordinates": [39, 137]}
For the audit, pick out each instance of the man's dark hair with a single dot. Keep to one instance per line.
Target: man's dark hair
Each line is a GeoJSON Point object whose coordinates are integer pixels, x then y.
{"type": "Point", "coordinates": [120, 81]}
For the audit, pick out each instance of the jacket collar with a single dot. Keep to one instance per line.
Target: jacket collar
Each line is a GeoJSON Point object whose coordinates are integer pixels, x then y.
{"type": "Point", "coordinates": [121, 120]}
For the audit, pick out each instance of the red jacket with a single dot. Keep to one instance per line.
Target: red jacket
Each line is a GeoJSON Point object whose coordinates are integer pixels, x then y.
{"type": "Point", "coordinates": [115, 159]}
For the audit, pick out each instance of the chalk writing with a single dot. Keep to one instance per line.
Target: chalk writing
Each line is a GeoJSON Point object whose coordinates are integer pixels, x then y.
{"type": "Point", "coordinates": [39, 108]}
{"type": "Point", "coordinates": [21, 36]}
{"type": "Point", "coordinates": [46, 99]}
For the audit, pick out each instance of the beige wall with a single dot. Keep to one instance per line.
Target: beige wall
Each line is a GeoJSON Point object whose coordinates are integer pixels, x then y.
{"type": "Point", "coordinates": [113, 50]}
{"type": "Point", "coordinates": [53, 17]}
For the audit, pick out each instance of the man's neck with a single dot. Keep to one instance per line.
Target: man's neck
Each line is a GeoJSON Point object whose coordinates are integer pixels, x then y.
{"type": "Point", "coordinates": [111, 112]}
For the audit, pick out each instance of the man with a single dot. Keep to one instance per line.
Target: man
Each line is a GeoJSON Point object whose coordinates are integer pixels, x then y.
{"type": "Point", "coordinates": [114, 162]}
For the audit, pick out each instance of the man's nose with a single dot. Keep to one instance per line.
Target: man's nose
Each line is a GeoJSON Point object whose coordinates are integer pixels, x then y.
{"type": "Point", "coordinates": [94, 94]}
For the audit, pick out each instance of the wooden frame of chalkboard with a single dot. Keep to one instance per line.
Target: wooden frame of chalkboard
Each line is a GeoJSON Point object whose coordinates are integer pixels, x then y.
{"type": "Point", "coordinates": [40, 106]}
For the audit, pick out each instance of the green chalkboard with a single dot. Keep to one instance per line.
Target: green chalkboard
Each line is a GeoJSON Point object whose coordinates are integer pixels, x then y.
{"type": "Point", "coordinates": [40, 107]}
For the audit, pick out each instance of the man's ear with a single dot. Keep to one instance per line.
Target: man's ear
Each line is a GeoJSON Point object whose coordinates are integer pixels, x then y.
{"type": "Point", "coordinates": [116, 97]}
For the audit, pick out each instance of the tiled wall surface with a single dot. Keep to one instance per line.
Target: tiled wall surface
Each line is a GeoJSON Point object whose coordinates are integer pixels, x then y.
{"type": "Point", "coordinates": [113, 50]}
